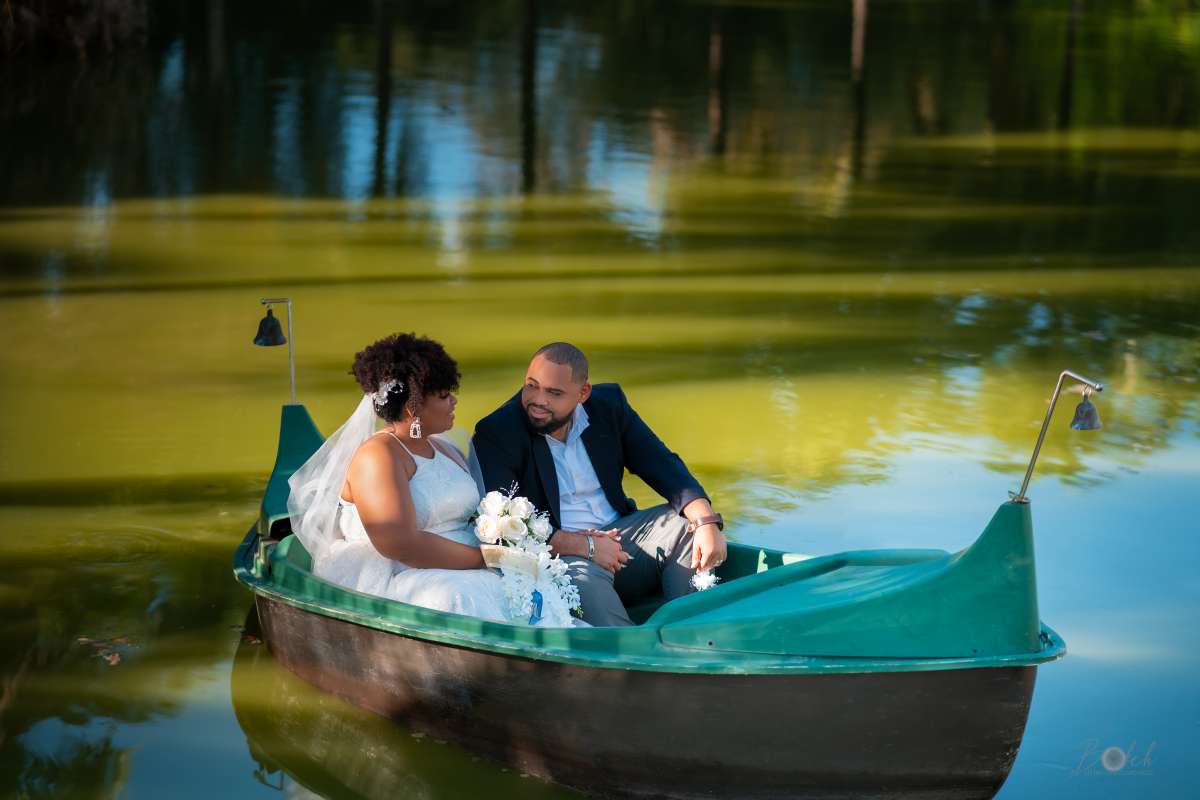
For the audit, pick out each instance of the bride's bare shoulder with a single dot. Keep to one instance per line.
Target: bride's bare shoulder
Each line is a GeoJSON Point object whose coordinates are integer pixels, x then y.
{"type": "Point", "coordinates": [378, 455]}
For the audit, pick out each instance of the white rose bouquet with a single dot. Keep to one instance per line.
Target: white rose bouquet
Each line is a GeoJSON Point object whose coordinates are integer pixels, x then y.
{"type": "Point", "coordinates": [513, 537]}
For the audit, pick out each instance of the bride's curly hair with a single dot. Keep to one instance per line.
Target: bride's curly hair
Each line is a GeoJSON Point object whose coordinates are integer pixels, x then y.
{"type": "Point", "coordinates": [421, 364]}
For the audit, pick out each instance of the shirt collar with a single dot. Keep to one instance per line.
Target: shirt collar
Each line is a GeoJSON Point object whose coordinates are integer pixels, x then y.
{"type": "Point", "coordinates": [579, 423]}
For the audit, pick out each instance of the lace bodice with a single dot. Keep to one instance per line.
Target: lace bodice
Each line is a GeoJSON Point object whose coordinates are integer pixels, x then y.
{"type": "Point", "coordinates": [444, 497]}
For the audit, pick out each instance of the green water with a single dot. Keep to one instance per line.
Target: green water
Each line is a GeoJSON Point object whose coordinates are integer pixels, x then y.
{"type": "Point", "coordinates": [841, 291]}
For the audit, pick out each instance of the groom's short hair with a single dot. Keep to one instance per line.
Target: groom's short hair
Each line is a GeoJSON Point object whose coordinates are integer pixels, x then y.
{"type": "Point", "coordinates": [569, 354]}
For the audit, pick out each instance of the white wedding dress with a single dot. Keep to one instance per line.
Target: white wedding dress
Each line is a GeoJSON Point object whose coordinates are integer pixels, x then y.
{"type": "Point", "coordinates": [444, 497]}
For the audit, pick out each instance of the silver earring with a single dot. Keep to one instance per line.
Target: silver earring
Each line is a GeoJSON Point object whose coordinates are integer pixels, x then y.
{"type": "Point", "coordinates": [414, 430]}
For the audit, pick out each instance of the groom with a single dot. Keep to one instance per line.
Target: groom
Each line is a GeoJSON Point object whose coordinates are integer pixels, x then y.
{"type": "Point", "coordinates": [567, 444]}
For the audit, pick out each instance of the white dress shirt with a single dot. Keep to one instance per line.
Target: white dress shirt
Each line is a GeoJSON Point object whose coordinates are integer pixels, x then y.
{"type": "Point", "coordinates": [582, 504]}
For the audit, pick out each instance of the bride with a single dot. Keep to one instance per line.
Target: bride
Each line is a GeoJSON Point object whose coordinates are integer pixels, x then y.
{"type": "Point", "coordinates": [387, 512]}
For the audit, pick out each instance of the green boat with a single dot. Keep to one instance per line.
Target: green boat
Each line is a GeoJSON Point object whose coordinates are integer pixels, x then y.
{"type": "Point", "coordinates": [873, 673]}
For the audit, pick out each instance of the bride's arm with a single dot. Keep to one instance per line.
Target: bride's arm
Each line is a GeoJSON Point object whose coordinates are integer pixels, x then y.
{"type": "Point", "coordinates": [379, 486]}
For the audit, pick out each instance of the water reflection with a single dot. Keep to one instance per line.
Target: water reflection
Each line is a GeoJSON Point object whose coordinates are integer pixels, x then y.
{"type": "Point", "coordinates": [64, 763]}
{"type": "Point", "coordinates": [836, 253]}
{"type": "Point", "coordinates": [424, 100]}
{"type": "Point", "coordinates": [108, 614]}
{"type": "Point", "coordinates": [311, 744]}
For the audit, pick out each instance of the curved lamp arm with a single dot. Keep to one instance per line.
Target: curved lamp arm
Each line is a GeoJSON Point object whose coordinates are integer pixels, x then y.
{"type": "Point", "coordinates": [1094, 386]}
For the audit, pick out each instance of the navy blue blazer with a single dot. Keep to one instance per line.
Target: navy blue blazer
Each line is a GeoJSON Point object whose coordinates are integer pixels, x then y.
{"type": "Point", "coordinates": [616, 439]}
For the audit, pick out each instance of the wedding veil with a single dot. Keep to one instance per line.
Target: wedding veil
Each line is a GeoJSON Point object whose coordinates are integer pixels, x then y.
{"type": "Point", "coordinates": [317, 486]}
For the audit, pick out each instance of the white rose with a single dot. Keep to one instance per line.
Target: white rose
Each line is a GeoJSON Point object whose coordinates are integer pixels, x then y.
{"type": "Point", "coordinates": [521, 508]}
{"type": "Point", "coordinates": [513, 529]}
{"type": "Point", "coordinates": [541, 528]}
{"type": "Point", "coordinates": [487, 528]}
{"type": "Point", "coordinates": [493, 504]}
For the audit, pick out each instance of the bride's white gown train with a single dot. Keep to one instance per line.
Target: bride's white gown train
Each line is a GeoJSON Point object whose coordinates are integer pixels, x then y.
{"type": "Point", "coordinates": [444, 497]}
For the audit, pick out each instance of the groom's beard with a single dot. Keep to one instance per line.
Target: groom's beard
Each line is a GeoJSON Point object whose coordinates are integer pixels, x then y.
{"type": "Point", "coordinates": [548, 425]}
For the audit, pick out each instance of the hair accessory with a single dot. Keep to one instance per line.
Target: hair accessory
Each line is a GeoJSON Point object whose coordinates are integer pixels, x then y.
{"type": "Point", "coordinates": [380, 395]}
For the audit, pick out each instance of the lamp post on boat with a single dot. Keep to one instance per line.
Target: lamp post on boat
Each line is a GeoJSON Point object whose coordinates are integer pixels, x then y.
{"type": "Point", "coordinates": [298, 438]}
{"type": "Point", "coordinates": [1086, 418]}
{"type": "Point", "coordinates": [270, 334]}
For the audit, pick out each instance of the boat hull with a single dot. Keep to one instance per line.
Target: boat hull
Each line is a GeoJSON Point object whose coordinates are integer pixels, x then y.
{"type": "Point", "coordinates": [640, 733]}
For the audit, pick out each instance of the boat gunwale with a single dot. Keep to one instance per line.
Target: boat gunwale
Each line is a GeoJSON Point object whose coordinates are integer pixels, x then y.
{"type": "Point", "coordinates": [667, 658]}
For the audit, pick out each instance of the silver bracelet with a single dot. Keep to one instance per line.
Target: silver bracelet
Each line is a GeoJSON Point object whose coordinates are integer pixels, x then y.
{"type": "Point", "coordinates": [591, 548]}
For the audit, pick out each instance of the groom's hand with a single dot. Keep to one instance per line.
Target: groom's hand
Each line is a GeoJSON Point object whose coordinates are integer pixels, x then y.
{"type": "Point", "coordinates": [608, 550]}
{"type": "Point", "coordinates": [708, 544]}
{"type": "Point", "coordinates": [608, 547]}
{"type": "Point", "coordinates": [708, 548]}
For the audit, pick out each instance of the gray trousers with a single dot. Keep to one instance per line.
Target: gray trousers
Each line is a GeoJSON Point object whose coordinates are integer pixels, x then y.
{"type": "Point", "coordinates": [661, 560]}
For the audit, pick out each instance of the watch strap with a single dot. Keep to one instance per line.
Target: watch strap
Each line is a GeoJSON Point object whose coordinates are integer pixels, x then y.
{"type": "Point", "coordinates": [711, 519]}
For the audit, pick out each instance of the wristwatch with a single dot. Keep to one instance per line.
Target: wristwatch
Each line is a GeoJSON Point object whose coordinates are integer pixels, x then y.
{"type": "Point", "coordinates": [591, 548]}
{"type": "Point", "coordinates": [714, 519]}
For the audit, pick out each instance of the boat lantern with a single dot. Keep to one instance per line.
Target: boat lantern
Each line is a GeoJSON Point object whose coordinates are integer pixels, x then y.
{"type": "Point", "coordinates": [1087, 418]}
{"type": "Point", "coordinates": [270, 334]}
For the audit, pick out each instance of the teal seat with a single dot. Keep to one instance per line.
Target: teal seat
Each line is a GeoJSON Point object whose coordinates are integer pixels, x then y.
{"type": "Point", "coordinates": [981, 601]}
